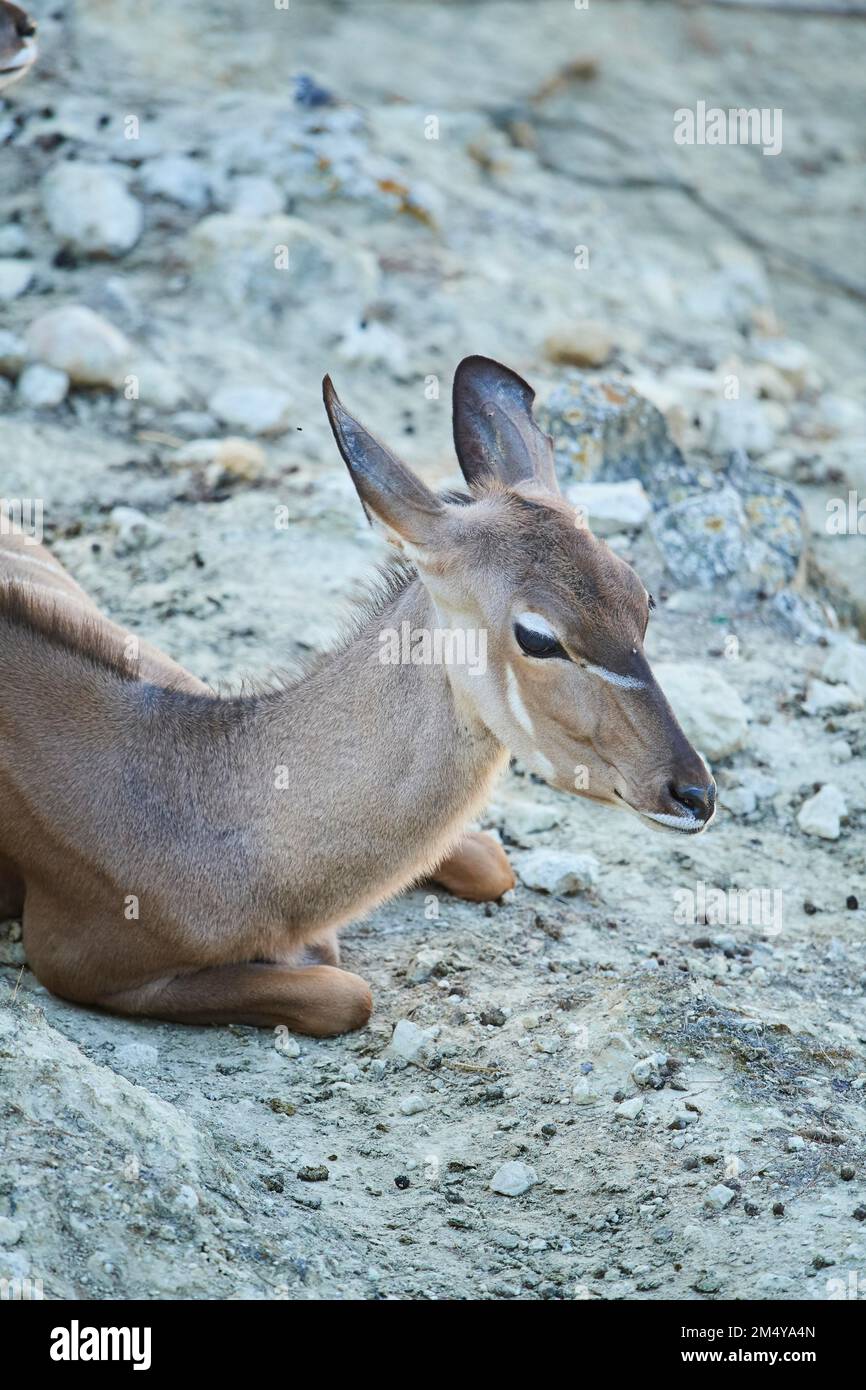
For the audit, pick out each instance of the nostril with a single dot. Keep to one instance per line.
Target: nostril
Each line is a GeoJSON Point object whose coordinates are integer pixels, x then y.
{"type": "Point", "coordinates": [698, 801]}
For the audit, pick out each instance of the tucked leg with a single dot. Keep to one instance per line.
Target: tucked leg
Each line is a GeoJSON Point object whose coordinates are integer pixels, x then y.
{"type": "Point", "coordinates": [318, 999]}
{"type": "Point", "coordinates": [478, 869]}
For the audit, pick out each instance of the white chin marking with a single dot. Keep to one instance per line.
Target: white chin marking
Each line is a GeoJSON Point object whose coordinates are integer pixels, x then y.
{"type": "Point", "coordinates": [624, 682]}
{"type": "Point", "coordinates": [22, 59]}
{"type": "Point", "coordinates": [515, 703]}
{"type": "Point", "coordinates": [535, 623]}
{"type": "Point", "coordinates": [690, 824]}
{"type": "Point", "coordinates": [543, 766]}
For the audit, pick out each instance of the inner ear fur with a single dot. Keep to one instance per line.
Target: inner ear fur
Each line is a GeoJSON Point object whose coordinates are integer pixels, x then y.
{"type": "Point", "coordinates": [495, 432]}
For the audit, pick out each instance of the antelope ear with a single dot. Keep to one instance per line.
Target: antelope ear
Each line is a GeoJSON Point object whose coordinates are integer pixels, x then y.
{"type": "Point", "coordinates": [494, 431]}
{"type": "Point", "coordinates": [389, 492]}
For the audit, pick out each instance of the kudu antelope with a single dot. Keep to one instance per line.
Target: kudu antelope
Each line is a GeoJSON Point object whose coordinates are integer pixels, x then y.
{"type": "Point", "coordinates": [17, 43]}
{"type": "Point", "coordinates": [247, 830]}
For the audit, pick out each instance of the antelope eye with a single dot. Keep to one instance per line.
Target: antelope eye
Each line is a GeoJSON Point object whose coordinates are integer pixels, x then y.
{"type": "Point", "coordinates": [539, 644]}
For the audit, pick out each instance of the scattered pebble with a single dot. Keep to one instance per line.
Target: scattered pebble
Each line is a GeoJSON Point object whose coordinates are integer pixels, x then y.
{"type": "Point", "coordinates": [651, 1071]}
{"type": "Point", "coordinates": [513, 1179]}
{"type": "Point", "coordinates": [411, 1043]}
{"type": "Point", "coordinates": [90, 209]}
{"type": "Point", "coordinates": [582, 343]}
{"type": "Point", "coordinates": [426, 964]}
{"type": "Point", "coordinates": [822, 813]}
{"type": "Point", "coordinates": [313, 1172]}
{"type": "Point", "coordinates": [683, 1119]}
{"type": "Point", "coordinates": [258, 409]}
{"type": "Point", "coordinates": [414, 1104]}
{"type": "Point", "coordinates": [582, 1092]}
{"type": "Point", "coordinates": [177, 178]}
{"type": "Point", "coordinates": [846, 664]}
{"type": "Point", "coordinates": [135, 531]}
{"type": "Point", "coordinates": [629, 1109]}
{"type": "Point", "coordinates": [707, 1283]}
{"type": "Point", "coordinates": [79, 342]}
{"type": "Point", "coordinates": [282, 1107]}
{"type": "Point", "coordinates": [719, 1197]}
{"type": "Point", "coordinates": [41, 387]}
{"type": "Point", "coordinates": [822, 698]}
{"type": "Point", "coordinates": [232, 459]}
{"type": "Point", "coordinates": [557, 871]}
{"type": "Point", "coordinates": [15, 277]}
{"type": "Point", "coordinates": [492, 1018]}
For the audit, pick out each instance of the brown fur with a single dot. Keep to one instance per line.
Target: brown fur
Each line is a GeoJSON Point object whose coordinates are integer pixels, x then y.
{"type": "Point", "coordinates": [21, 606]}
{"type": "Point", "coordinates": [192, 857]}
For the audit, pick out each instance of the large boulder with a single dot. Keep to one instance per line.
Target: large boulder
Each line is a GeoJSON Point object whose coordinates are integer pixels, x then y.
{"type": "Point", "coordinates": [714, 523]}
{"type": "Point", "coordinates": [603, 430]}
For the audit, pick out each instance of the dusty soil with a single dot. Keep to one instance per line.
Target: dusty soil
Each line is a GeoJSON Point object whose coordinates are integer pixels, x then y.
{"type": "Point", "coordinates": [148, 1160]}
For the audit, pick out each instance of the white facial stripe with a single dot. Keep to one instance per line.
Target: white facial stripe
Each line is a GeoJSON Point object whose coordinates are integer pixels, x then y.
{"type": "Point", "coordinates": [535, 623]}
{"type": "Point", "coordinates": [30, 560]}
{"type": "Point", "coordinates": [625, 682]}
{"type": "Point", "coordinates": [515, 703]}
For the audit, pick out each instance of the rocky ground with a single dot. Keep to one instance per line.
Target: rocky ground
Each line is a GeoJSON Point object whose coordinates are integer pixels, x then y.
{"type": "Point", "coordinates": [630, 1085]}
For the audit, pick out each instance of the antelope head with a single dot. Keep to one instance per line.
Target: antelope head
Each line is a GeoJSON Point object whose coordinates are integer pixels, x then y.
{"type": "Point", "coordinates": [17, 43]}
{"type": "Point", "coordinates": [566, 685]}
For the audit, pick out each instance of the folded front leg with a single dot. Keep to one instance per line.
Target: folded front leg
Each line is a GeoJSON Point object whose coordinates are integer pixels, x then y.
{"type": "Point", "coordinates": [319, 1000]}
{"type": "Point", "coordinates": [478, 869]}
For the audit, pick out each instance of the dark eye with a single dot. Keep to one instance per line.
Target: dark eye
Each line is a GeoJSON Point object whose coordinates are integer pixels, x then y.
{"type": "Point", "coordinates": [538, 643]}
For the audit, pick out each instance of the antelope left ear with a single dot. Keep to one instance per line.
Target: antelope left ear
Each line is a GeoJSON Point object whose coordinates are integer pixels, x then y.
{"type": "Point", "coordinates": [388, 490]}
{"type": "Point", "coordinates": [495, 433]}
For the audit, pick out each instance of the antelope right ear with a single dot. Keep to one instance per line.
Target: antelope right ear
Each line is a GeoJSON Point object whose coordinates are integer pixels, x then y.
{"type": "Point", "coordinates": [495, 433]}
{"type": "Point", "coordinates": [389, 491]}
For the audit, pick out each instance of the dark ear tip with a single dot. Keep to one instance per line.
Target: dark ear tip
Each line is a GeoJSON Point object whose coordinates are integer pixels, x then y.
{"type": "Point", "coordinates": [477, 363]}
{"type": "Point", "coordinates": [488, 374]}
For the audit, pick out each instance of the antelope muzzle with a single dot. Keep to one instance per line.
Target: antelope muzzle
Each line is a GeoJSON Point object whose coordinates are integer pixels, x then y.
{"type": "Point", "coordinates": [18, 49]}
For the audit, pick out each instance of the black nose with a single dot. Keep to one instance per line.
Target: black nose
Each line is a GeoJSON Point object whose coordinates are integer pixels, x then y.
{"type": "Point", "coordinates": [698, 801]}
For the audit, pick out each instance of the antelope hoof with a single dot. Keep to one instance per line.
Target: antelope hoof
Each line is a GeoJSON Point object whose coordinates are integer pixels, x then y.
{"type": "Point", "coordinates": [478, 870]}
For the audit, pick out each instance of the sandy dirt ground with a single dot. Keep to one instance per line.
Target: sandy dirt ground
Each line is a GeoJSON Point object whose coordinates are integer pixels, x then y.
{"type": "Point", "coordinates": [683, 1097]}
